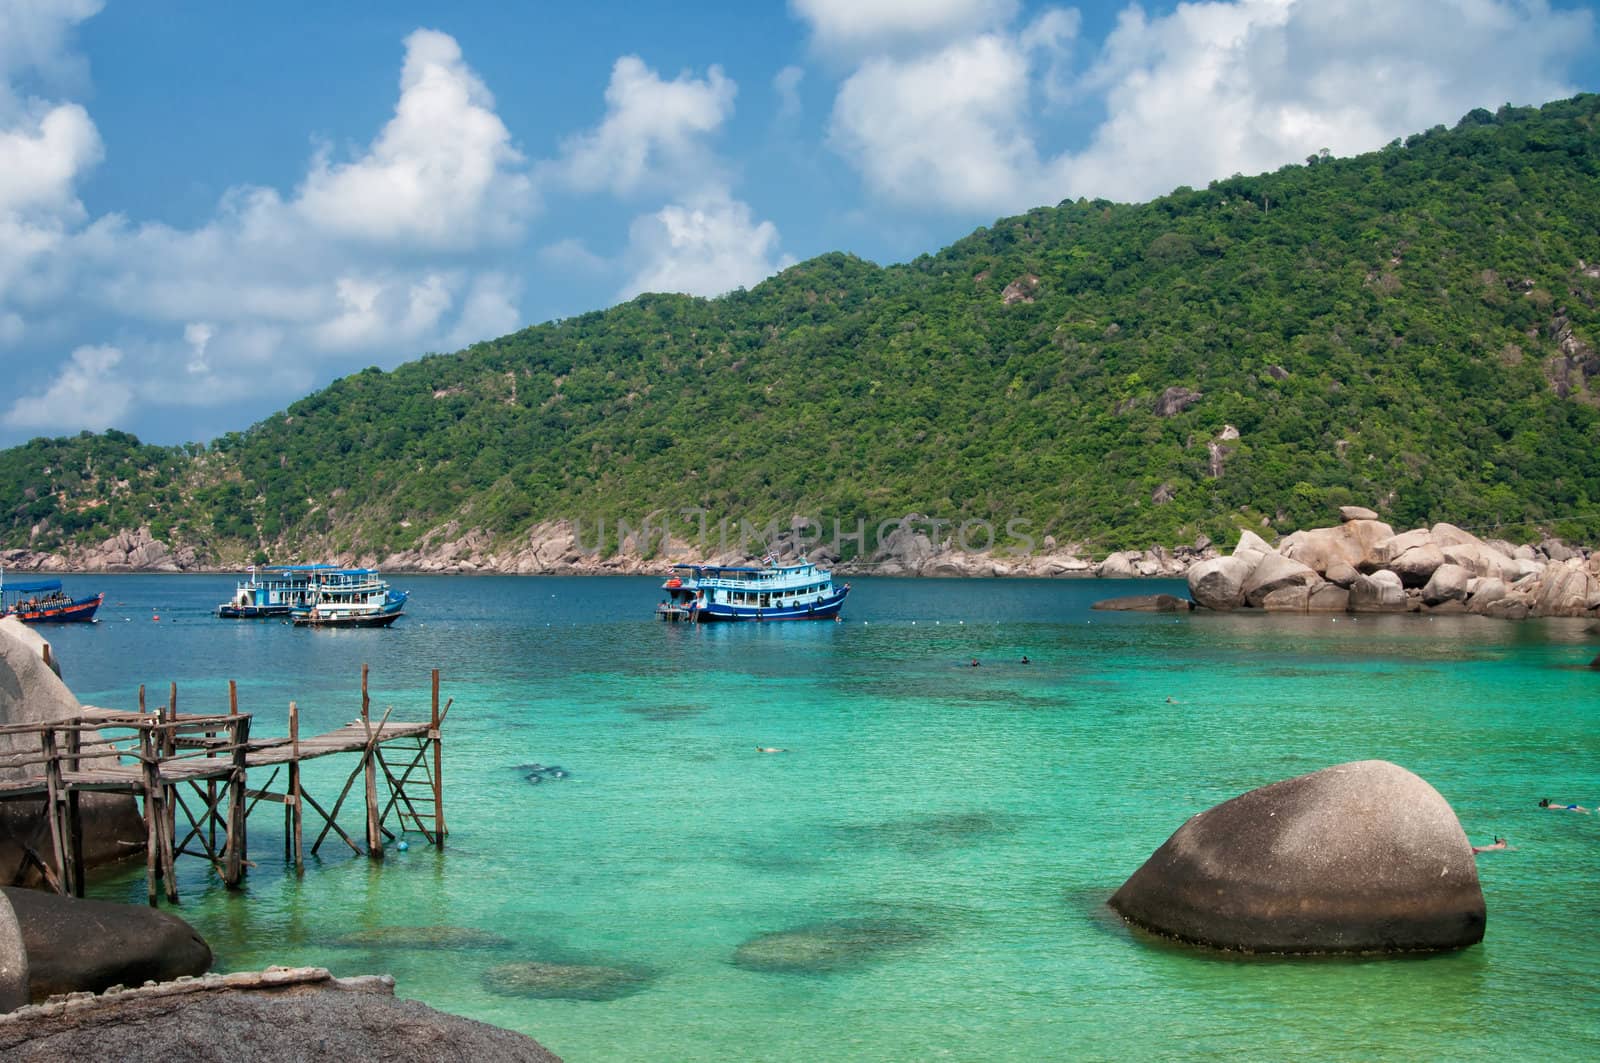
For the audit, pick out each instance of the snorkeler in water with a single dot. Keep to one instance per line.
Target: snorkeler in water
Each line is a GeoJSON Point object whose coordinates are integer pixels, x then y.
{"type": "Point", "coordinates": [1546, 803]}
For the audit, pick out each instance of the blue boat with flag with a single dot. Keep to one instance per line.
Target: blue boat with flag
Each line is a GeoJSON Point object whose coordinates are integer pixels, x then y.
{"type": "Point", "coordinates": [770, 591]}
{"type": "Point", "coordinates": [349, 597]}
{"type": "Point", "coordinates": [276, 590]}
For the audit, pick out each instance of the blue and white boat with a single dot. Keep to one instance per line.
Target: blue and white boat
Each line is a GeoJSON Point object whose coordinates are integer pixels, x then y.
{"type": "Point", "coordinates": [273, 591]}
{"type": "Point", "coordinates": [698, 593]}
{"type": "Point", "coordinates": [349, 597]}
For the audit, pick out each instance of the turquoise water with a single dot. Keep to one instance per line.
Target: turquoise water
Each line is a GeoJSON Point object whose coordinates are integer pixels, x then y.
{"type": "Point", "coordinates": [960, 827]}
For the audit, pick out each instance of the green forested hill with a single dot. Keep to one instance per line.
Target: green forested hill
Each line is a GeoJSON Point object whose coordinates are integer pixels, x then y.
{"type": "Point", "coordinates": [1413, 329]}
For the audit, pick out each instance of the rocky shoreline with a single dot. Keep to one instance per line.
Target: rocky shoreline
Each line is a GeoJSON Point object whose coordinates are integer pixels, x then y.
{"type": "Point", "coordinates": [1360, 565]}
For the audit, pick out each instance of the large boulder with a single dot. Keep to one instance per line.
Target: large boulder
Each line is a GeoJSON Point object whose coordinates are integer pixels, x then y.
{"type": "Point", "coordinates": [1351, 544]}
{"type": "Point", "coordinates": [1385, 551]}
{"type": "Point", "coordinates": [1482, 560]}
{"type": "Point", "coordinates": [31, 692]}
{"type": "Point", "coordinates": [1564, 590]}
{"type": "Point", "coordinates": [13, 960]}
{"type": "Point", "coordinates": [75, 945]}
{"type": "Point", "coordinates": [1350, 513]}
{"type": "Point", "coordinates": [1275, 572]}
{"type": "Point", "coordinates": [1361, 857]}
{"type": "Point", "coordinates": [1218, 583]}
{"type": "Point", "coordinates": [1417, 565]}
{"type": "Point", "coordinates": [1116, 566]}
{"type": "Point", "coordinates": [1448, 584]}
{"type": "Point", "coordinates": [1381, 592]}
{"type": "Point", "coordinates": [255, 1017]}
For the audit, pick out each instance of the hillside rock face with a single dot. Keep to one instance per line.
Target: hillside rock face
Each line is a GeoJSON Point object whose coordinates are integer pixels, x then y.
{"type": "Point", "coordinates": [1361, 857]}
{"type": "Point", "coordinates": [1363, 566]}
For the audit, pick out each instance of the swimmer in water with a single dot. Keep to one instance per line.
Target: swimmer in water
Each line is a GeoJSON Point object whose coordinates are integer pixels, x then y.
{"type": "Point", "coordinates": [1545, 803]}
{"type": "Point", "coordinates": [1499, 843]}
{"type": "Point", "coordinates": [770, 749]}
{"type": "Point", "coordinates": [1025, 659]}
{"type": "Point", "coordinates": [974, 663]}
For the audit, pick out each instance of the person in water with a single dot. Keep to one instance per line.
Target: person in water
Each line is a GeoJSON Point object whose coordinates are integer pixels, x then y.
{"type": "Point", "coordinates": [974, 663]}
{"type": "Point", "coordinates": [770, 749]}
{"type": "Point", "coordinates": [1025, 659]}
{"type": "Point", "coordinates": [1545, 803]}
{"type": "Point", "coordinates": [1499, 843]}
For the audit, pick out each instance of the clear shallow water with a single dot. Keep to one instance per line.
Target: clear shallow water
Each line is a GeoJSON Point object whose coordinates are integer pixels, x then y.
{"type": "Point", "coordinates": [969, 822]}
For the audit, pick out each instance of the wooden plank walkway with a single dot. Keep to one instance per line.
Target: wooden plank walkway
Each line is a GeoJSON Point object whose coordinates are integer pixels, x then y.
{"type": "Point", "coordinates": [160, 757]}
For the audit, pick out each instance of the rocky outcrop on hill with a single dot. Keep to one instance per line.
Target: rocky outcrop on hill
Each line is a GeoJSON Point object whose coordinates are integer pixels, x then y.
{"type": "Point", "coordinates": [281, 1013]}
{"type": "Point", "coordinates": [1361, 857]}
{"type": "Point", "coordinates": [1364, 566]}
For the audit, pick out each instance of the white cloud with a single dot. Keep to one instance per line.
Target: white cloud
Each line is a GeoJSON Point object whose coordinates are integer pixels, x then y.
{"type": "Point", "coordinates": [867, 26]}
{"type": "Point", "coordinates": [707, 247]}
{"type": "Point", "coordinates": [945, 129]}
{"type": "Point", "coordinates": [87, 393]}
{"type": "Point", "coordinates": [1218, 88]}
{"type": "Point", "coordinates": [1212, 88]}
{"type": "Point", "coordinates": [442, 174]}
{"type": "Point", "coordinates": [571, 253]}
{"type": "Point", "coordinates": [369, 261]}
{"type": "Point", "coordinates": [653, 133]}
{"type": "Point", "coordinates": [33, 40]}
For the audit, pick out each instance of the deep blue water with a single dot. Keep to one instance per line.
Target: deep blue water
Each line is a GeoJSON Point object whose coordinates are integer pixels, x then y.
{"type": "Point", "coordinates": [941, 838]}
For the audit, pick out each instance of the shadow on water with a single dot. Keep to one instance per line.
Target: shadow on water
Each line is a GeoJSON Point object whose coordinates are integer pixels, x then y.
{"type": "Point", "coordinates": [927, 834]}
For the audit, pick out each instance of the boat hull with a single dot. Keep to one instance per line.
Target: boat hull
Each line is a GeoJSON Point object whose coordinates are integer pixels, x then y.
{"type": "Point", "coordinates": [356, 620]}
{"type": "Point", "coordinates": [826, 609]}
{"type": "Point", "coordinates": [251, 612]}
{"type": "Point", "coordinates": [77, 611]}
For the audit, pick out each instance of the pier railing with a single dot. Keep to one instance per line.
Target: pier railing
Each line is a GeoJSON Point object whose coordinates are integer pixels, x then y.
{"type": "Point", "coordinates": [199, 765]}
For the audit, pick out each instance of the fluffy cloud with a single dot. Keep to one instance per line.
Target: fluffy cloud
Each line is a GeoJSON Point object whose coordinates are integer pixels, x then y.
{"type": "Point", "coordinates": [944, 129]}
{"type": "Point", "coordinates": [863, 26]}
{"type": "Point", "coordinates": [1217, 88]}
{"type": "Point", "coordinates": [369, 261]}
{"type": "Point", "coordinates": [706, 247]}
{"type": "Point", "coordinates": [442, 174]}
{"type": "Point", "coordinates": [1214, 87]}
{"type": "Point", "coordinates": [653, 133]}
{"type": "Point", "coordinates": [87, 393]}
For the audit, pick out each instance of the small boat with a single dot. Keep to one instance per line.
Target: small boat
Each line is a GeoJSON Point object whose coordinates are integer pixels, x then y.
{"type": "Point", "coordinates": [44, 602]}
{"type": "Point", "coordinates": [769, 591]}
{"type": "Point", "coordinates": [273, 591]}
{"type": "Point", "coordinates": [349, 597]}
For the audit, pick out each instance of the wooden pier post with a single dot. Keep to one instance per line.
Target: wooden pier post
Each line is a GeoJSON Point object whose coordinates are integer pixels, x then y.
{"type": "Point", "coordinates": [438, 767]}
{"type": "Point", "coordinates": [152, 836]}
{"type": "Point", "coordinates": [369, 764]}
{"type": "Point", "coordinates": [293, 803]}
{"type": "Point", "coordinates": [239, 732]}
{"type": "Point", "coordinates": [53, 806]}
{"type": "Point", "coordinates": [74, 817]}
{"type": "Point", "coordinates": [168, 805]}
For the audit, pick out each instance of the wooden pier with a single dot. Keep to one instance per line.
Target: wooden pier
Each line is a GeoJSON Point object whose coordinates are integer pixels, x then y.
{"type": "Point", "coordinates": [199, 766]}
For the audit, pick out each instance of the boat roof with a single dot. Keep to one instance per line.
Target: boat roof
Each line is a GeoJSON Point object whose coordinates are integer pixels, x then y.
{"type": "Point", "coordinates": [319, 567]}
{"type": "Point", "coordinates": [35, 585]}
{"type": "Point", "coordinates": [747, 568]}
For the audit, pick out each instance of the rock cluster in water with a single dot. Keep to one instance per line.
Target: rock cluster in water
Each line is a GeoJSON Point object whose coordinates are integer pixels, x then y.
{"type": "Point", "coordinates": [1361, 857]}
{"type": "Point", "coordinates": [823, 948]}
{"type": "Point", "coordinates": [1363, 566]}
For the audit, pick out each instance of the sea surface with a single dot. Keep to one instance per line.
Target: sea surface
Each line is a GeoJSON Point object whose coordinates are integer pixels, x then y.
{"type": "Point", "coordinates": [923, 873]}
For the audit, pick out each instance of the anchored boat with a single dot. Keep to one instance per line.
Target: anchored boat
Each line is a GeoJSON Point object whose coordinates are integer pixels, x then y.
{"type": "Point", "coordinates": [770, 591]}
{"type": "Point", "coordinates": [273, 591]}
{"type": "Point", "coordinates": [44, 602]}
{"type": "Point", "coordinates": [349, 597]}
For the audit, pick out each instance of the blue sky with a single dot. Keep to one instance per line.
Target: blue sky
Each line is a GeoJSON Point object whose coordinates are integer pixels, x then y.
{"type": "Point", "coordinates": [208, 210]}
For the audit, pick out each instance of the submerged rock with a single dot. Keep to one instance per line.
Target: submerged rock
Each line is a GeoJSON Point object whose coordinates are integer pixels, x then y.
{"type": "Point", "coordinates": [822, 948]}
{"type": "Point", "coordinates": [424, 937]}
{"type": "Point", "coordinates": [76, 945]}
{"type": "Point", "coordinates": [1145, 603]}
{"type": "Point", "coordinates": [1361, 857]}
{"type": "Point", "coordinates": [565, 981]}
